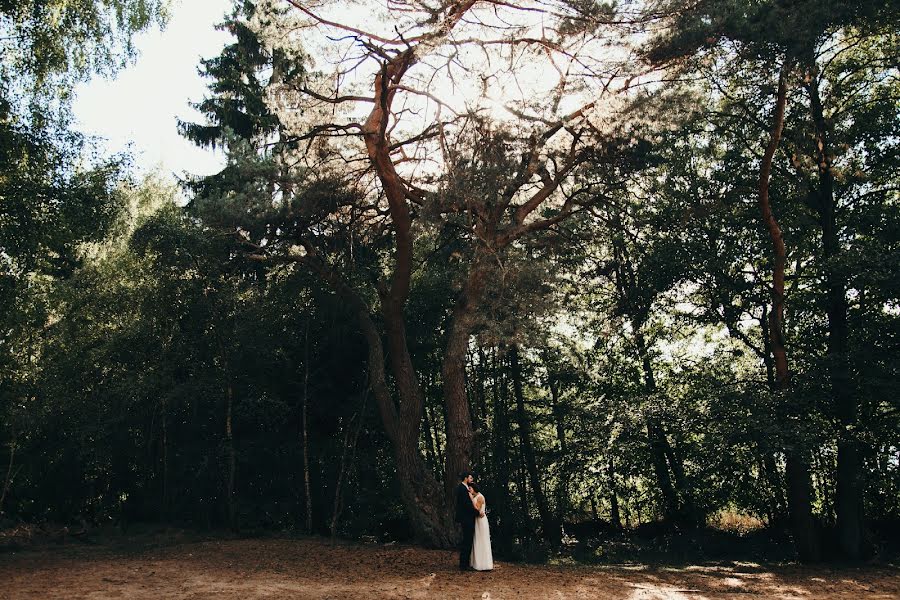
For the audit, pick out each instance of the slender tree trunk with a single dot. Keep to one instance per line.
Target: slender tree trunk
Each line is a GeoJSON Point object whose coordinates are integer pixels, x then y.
{"type": "Point", "coordinates": [348, 449]}
{"type": "Point", "coordinates": [500, 432]}
{"type": "Point", "coordinates": [550, 527]}
{"type": "Point", "coordinates": [772, 476]}
{"type": "Point", "coordinates": [664, 479]}
{"type": "Point", "coordinates": [439, 452]}
{"type": "Point", "coordinates": [562, 492]}
{"type": "Point", "coordinates": [661, 454]}
{"type": "Point", "coordinates": [614, 518]}
{"type": "Point", "coordinates": [430, 447]}
{"type": "Point", "coordinates": [797, 465]}
{"type": "Point", "coordinates": [304, 430]}
{"type": "Point", "coordinates": [770, 466]}
{"type": "Point", "coordinates": [849, 500]}
{"type": "Point", "coordinates": [165, 460]}
{"type": "Point", "coordinates": [232, 457]}
{"type": "Point", "coordinates": [661, 451]}
{"type": "Point", "coordinates": [767, 347]}
{"type": "Point", "coordinates": [480, 396]}
{"type": "Point", "coordinates": [7, 480]}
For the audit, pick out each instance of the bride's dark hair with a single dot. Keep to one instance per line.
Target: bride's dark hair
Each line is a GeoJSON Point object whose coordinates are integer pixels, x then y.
{"type": "Point", "coordinates": [475, 488]}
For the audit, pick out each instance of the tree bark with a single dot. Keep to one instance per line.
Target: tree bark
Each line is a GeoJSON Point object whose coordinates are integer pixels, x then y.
{"type": "Point", "coordinates": [797, 465]}
{"type": "Point", "coordinates": [848, 501]}
{"type": "Point", "coordinates": [460, 436]}
{"type": "Point", "coordinates": [548, 523]}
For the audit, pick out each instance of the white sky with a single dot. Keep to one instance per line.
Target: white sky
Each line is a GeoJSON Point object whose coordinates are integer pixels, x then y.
{"type": "Point", "coordinates": [137, 110]}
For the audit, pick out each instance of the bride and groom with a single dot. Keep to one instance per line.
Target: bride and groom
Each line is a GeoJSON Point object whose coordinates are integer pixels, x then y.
{"type": "Point", "coordinates": [475, 547]}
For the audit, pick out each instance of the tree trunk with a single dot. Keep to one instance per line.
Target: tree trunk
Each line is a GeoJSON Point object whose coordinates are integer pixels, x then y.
{"type": "Point", "coordinates": [500, 432]}
{"type": "Point", "coordinates": [419, 490]}
{"type": "Point", "coordinates": [548, 523]}
{"type": "Point", "coordinates": [304, 430]}
{"type": "Point", "coordinates": [164, 508]}
{"type": "Point", "coordinates": [349, 448]}
{"type": "Point", "coordinates": [848, 502]}
{"type": "Point", "coordinates": [460, 436]}
{"type": "Point", "coordinates": [661, 468]}
{"type": "Point", "coordinates": [772, 476]}
{"type": "Point", "coordinates": [562, 492]}
{"type": "Point", "coordinates": [797, 466]}
{"type": "Point", "coordinates": [232, 457]}
{"type": "Point", "coordinates": [430, 447]}
{"type": "Point", "coordinates": [662, 454]}
{"type": "Point", "coordinates": [230, 454]}
{"type": "Point", "coordinates": [420, 493]}
{"type": "Point", "coordinates": [7, 480]}
{"type": "Point", "coordinates": [615, 518]}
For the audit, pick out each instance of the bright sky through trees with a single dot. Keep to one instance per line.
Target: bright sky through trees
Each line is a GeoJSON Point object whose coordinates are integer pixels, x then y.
{"type": "Point", "coordinates": [138, 109]}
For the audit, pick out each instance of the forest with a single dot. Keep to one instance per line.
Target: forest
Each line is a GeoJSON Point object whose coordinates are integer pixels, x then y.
{"type": "Point", "coordinates": [634, 263]}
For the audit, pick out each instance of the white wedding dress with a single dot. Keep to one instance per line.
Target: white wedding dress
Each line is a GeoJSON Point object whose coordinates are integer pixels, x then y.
{"type": "Point", "coordinates": [482, 558]}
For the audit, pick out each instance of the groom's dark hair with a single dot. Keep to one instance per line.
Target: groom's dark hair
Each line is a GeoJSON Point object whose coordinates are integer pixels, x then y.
{"type": "Point", "coordinates": [464, 474]}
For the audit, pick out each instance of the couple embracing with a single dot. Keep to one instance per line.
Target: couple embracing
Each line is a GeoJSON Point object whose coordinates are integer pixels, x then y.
{"type": "Point", "coordinates": [475, 547]}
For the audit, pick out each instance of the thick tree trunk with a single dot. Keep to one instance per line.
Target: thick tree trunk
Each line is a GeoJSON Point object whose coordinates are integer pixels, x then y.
{"type": "Point", "coordinates": [548, 523]}
{"type": "Point", "coordinates": [849, 503]}
{"type": "Point", "coordinates": [797, 465]}
{"type": "Point", "coordinates": [420, 492]}
{"type": "Point", "coordinates": [460, 437]}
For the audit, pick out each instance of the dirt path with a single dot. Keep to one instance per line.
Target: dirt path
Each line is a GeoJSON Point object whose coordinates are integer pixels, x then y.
{"type": "Point", "coordinates": [311, 569]}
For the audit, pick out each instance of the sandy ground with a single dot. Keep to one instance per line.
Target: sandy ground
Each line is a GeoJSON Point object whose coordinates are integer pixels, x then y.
{"type": "Point", "coordinates": [310, 568]}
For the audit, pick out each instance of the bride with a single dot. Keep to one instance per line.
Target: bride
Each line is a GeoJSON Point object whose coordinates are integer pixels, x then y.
{"type": "Point", "coordinates": [481, 559]}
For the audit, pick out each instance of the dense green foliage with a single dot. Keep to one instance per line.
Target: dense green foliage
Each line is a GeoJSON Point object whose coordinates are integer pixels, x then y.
{"type": "Point", "coordinates": [213, 364]}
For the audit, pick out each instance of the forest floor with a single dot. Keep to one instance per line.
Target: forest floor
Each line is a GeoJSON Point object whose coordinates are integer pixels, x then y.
{"type": "Point", "coordinates": [310, 568]}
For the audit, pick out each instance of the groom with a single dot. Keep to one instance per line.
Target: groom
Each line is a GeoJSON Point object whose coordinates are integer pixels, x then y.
{"type": "Point", "coordinates": [466, 514]}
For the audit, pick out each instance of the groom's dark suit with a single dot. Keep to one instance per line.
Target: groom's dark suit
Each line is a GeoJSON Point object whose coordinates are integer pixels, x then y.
{"type": "Point", "coordinates": [466, 514]}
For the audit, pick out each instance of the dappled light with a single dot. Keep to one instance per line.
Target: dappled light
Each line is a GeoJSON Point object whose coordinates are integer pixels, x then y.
{"type": "Point", "coordinates": [310, 569]}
